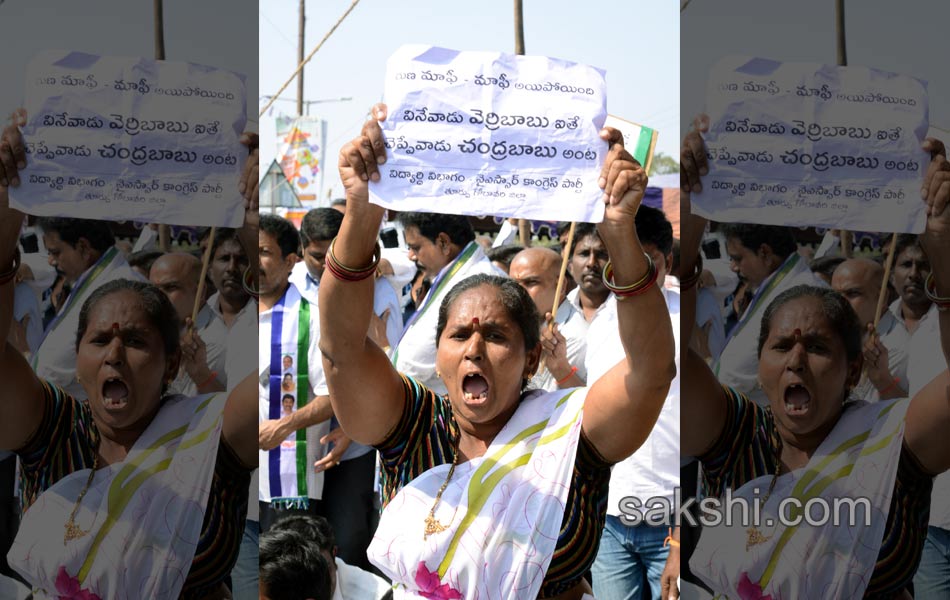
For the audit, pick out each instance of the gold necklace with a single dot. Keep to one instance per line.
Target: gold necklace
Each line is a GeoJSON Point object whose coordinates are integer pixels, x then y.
{"type": "Point", "coordinates": [73, 531]}
{"type": "Point", "coordinates": [754, 537]}
{"type": "Point", "coordinates": [432, 524]}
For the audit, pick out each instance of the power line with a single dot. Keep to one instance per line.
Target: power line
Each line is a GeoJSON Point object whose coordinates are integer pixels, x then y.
{"type": "Point", "coordinates": [309, 56]}
{"type": "Point", "coordinates": [279, 32]}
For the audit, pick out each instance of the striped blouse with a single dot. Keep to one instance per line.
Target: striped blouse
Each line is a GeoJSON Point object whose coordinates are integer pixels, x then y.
{"type": "Point", "coordinates": [424, 438]}
{"type": "Point", "coordinates": [745, 451]}
{"type": "Point", "coordinates": [66, 441]}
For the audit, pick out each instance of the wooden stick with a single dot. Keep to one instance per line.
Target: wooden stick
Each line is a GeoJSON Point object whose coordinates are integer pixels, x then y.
{"type": "Point", "coordinates": [887, 275]}
{"type": "Point", "coordinates": [205, 261]}
{"type": "Point", "coordinates": [565, 255]}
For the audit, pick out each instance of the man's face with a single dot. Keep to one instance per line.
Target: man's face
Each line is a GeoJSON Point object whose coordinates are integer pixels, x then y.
{"type": "Point", "coordinates": [750, 265]}
{"type": "Point", "coordinates": [71, 261]}
{"type": "Point", "coordinates": [911, 268]}
{"type": "Point", "coordinates": [274, 268]}
{"type": "Point", "coordinates": [428, 255]}
{"type": "Point", "coordinates": [177, 280]}
{"type": "Point", "coordinates": [860, 287]}
{"type": "Point", "coordinates": [533, 271]}
{"type": "Point", "coordinates": [587, 265]}
{"type": "Point", "coordinates": [227, 267]}
{"type": "Point", "coordinates": [315, 257]}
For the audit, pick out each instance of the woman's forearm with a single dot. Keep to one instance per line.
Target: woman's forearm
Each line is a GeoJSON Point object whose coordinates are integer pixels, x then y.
{"type": "Point", "coordinates": [644, 320]}
{"type": "Point", "coordinates": [346, 306]}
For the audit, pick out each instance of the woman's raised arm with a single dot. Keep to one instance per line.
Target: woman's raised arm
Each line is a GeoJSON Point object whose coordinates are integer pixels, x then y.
{"type": "Point", "coordinates": [365, 389]}
{"type": "Point", "coordinates": [623, 405]}
{"type": "Point", "coordinates": [928, 417]}
{"type": "Point", "coordinates": [21, 399]}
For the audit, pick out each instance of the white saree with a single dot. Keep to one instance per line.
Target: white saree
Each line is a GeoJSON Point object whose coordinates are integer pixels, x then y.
{"type": "Point", "coordinates": [503, 511]}
{"type": "Point", "coordinates": [857, 460]}
{"type": "Point", "coordinates": [144, 515]}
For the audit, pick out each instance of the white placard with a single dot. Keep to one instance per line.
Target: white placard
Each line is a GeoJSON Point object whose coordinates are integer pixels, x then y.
{"type": "Point", "coordinates": [814, 145]}
{"type": "Point", "coordinates": [487, 133]}
{"type": "Point", "coordinates": [132, 139]}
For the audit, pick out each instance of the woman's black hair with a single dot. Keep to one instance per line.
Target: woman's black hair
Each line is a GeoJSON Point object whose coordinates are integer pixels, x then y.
{"type": "Point", "coordinates": [158, 309]}
{"type": "Point", "coordinates": [518, 304]}
{"type": "Point", "coordinates": [836, 309]}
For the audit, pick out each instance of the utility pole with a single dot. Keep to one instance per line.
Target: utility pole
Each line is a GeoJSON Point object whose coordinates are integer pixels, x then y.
{"type": "Point", "coordinates": [300, 42]}
{"type": "Point", "coordinates": [524, 226]}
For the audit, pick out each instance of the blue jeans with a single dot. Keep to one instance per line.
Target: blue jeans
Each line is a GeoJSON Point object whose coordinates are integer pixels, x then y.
{"type": "Point", "coordinates": [630, 561]}
{"type": "Point", "coordinates": [933, 575]}
{"type": "Point", "coordinates": [245, 572]}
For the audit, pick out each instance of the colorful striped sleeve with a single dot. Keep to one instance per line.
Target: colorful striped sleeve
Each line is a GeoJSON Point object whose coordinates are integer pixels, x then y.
{"type": "Point", "coordinates": [745, 450]}
{"type": "Point", "coordinates": [64, 443]}
{"type": "Point", "coordinates": [422, 439]}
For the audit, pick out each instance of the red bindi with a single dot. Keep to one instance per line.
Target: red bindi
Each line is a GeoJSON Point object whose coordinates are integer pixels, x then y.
{"type": "Point", "coordinates": [115, 329]}
{"type": "Point", "coordinates": [474, 321]}
{"type": "Point", "coordinates": [798, 334]}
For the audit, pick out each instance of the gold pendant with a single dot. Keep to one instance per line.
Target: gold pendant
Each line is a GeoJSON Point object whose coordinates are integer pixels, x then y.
{"type": "Point", "coordinates": [754, 537]}
{"type": "Point", "coordinates": [73, 532]}
{"type": "Point", "coordinates": [433, 526]}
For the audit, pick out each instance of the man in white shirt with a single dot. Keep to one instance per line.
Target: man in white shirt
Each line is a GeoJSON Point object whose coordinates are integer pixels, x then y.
{"type": "Point", "coordinates": [632, 555]}
{"type": "Point", "coordinates": [349, 468]}
{"type": "Point", "coordinates": [444, 247]}
{"type": "Point", "coordinates": [859, 280]}
{"type": "Point", "coordinates": [84, 252]}
{"type": "Point", "coordinates": [766, 257]}
{"type": "Point", "coordinates": [537, 270]}
{"type": "Point", "coordinates": [176, 274]}
{"type": "Point", "coordinates": [925, 362]}
{"type": "Point", "coordinates": [587, 260]}
{"type": "Point", "coordinates": [280, 483]}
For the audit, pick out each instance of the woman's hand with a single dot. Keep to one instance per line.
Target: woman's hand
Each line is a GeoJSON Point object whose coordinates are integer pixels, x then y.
{"type": "Point", "coordinates": [693, 162]}
{"type": "Point", "coordinates": [936, 194]}
{"type": "Point", "coordinates": [623, 180]}
{"type": "Point", "coordinates": [12, 152]}
{"type": "Point", "coordinates": [360, 159]}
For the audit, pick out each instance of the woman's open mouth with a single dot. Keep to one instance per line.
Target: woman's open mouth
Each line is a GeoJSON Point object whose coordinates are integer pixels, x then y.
{"type": "Point", "coordinates": [474, 388]}
{"type": "Point", "coordinates": [797, 400]}
{"type": "Point", "coordinates": [115, 394]}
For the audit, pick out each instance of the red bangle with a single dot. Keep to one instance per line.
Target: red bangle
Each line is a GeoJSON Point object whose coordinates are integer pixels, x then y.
{"type": "Point", "coordinates": [8, 276]}
{"type": "Point", "coordinates": [689, 282]}
{"type": "Point", "coordinates": [893, 385]}
{"type": "Point", "coordinates": [210, 378]}
{"type": "Point", "coordinates": [566, 377]}
{"type": "Point", "coordinates": [344, 273]}
{"type": "Point", "coordinates": [640, 287]}
{"type": "Point", "coordinates": [930, 290]}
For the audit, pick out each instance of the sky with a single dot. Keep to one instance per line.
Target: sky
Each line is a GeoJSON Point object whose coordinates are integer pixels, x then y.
{"type": "Point", "coordinates": [119, 27]}
{"type": "Point", "coordinates": [635, 41]}
{"type": "Point", "coordinates": [907, 37]}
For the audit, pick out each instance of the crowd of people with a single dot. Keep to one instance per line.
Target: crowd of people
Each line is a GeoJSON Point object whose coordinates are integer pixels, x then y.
{"type": "Point", "coordinates": [129, 406]}
{"type": "Point", "coordinates": [443, 415]}
{"type": "Point", "coordinates": [818, 374]}
{"type": "Point", "coordinates": [448, 364]}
